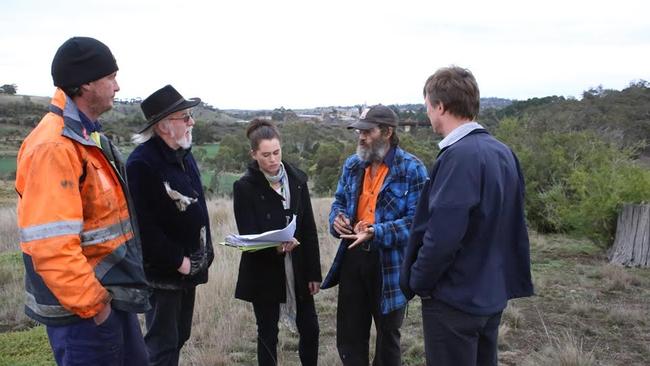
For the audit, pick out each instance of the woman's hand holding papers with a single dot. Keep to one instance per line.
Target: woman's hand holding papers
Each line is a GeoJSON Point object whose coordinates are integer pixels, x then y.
{"type": "Point", "coordinates": [287, 246]}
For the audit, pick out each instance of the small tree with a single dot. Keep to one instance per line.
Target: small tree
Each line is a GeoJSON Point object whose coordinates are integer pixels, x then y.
{"type": "Point", "coordinates": [9, 89]}
{"type": "Point", "coordinates": [328, 162]}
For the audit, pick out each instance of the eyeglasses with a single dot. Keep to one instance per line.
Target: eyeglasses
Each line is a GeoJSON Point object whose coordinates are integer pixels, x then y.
{"type": "Point", "coordinates": [185, 118]}
{"type": "Point", "coordinates": [365, 132]}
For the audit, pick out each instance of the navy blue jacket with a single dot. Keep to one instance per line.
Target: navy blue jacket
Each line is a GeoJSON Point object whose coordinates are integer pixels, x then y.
{"type": "Point", "coordinates": [169, 231]}
{"type": "Point", "coordinates": [469, 242]}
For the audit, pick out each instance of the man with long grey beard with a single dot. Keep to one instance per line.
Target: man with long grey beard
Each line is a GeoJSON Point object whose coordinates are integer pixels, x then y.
{"type": "Point", "coordinates": [372, 212]}
{"type": "Point", "coordinates": [173, 220]}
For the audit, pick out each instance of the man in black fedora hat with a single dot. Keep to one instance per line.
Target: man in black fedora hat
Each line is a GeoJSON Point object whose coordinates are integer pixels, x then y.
{"type": "Point", "coordinates": [173, 219]}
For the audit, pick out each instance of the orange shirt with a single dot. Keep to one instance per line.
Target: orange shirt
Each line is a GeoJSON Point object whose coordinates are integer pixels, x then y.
{"type": "Point", "coordinates": [369, 193]}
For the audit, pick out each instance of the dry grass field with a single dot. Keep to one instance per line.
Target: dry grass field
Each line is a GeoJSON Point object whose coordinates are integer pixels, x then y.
{"type": "Point", "coordinates": [586, 312]}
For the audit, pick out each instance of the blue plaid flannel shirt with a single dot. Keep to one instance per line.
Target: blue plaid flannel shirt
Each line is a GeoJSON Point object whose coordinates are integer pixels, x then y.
{"type": "Point", "coordinates": [394, 212]}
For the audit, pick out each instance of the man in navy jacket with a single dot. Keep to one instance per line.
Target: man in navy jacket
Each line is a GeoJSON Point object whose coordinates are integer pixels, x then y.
{"type": "Point", "coordinates": [468, 251]}
{"type": "Point", "coordinates": [173, 220]}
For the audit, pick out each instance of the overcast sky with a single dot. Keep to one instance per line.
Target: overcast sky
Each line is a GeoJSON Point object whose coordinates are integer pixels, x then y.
{"type": "Point", "coordinates": [296, 54]}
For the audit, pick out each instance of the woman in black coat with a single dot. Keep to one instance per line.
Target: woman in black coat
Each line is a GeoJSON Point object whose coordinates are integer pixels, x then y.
{"type": "Point", "coordinates": [279, 281]}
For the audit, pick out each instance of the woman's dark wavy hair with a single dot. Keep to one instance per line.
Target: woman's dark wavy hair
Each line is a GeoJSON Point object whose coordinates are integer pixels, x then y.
{"type": "Point", "coordinates": [260, 129]}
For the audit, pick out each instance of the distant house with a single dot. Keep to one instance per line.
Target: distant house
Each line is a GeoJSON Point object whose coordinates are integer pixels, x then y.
{"type": "Point", "coordinates": [310, 117]}
{"type": "Point", "coordinates": [341, 115]}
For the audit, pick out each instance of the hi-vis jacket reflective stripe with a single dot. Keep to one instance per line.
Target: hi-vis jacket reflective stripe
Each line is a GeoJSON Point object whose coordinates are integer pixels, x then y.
{"type": "Point", "coordinates": [79, 246]}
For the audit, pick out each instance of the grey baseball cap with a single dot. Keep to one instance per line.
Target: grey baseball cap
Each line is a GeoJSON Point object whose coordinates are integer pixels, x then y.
{"type": "Point", "coordinates": [374, 116]}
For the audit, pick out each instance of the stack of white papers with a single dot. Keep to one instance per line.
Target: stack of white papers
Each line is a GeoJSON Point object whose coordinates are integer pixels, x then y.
{"type": "Point", "coordinates": [269, 239]}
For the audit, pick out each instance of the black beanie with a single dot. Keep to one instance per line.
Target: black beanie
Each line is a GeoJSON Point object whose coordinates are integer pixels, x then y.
{"type": "Point", "coordinates": [81, 60]}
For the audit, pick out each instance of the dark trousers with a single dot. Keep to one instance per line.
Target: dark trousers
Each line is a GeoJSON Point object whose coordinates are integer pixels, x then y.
{"type": "Point", "coordinates": [358, 304]}
{"type": "Point", "coordinates": [117, 341]}
{"type": "Point", "coordinates": [267, 315]}
{"type": "Point", "coordinates": [169, 323]}
{"type": "Point", "coordinates": [456, 338]}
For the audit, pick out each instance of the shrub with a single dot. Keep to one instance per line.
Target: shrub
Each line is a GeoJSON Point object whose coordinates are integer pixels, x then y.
{"type": "Point", "coordinates": [575, 181]}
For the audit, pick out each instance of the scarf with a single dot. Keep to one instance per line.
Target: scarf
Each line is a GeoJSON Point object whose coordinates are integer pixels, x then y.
{"type": "Point", "coordinates": [273, 179]}
{"type": "Point", "coordinates": [288, 309]}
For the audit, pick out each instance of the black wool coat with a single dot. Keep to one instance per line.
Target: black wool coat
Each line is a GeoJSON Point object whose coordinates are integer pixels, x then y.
{"type": "Point", "coordinates": [168, 233]}
{"type": "Point", "coordinates": [258, 208]}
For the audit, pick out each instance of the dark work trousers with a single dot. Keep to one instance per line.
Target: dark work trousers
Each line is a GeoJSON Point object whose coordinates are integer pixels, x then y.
{"type": "Point", "coordinates": [456, 338]}
{"type": "Point", "coordinates": [358, 304]}
{"type": "Point", "coordinates": [117, 341]}
{"type": "Point", "coordinates": [267, 315]}
{"type": "Point", "coordinates": [169, 323]}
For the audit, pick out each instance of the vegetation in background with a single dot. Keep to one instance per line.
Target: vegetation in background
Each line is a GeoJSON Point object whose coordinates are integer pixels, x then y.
{"type": "Point", "coordinates": [576, 181]}
{"type": "Point", "coordinates": [10, 89]}
{"type": "Point", "coordinates": [18, 116]}
{"type": "Point", "coordinates": [582, 159]}
{"type": "Point", "coordinates": [618, 117]}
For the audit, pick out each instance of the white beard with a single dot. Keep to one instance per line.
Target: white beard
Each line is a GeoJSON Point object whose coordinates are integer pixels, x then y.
{"type": "Point", "coordinates": [184, 141]}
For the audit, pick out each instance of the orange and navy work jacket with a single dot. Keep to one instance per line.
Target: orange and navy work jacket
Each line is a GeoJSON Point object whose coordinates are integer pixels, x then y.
{"type": "Point", "coordinates": [80, 246]}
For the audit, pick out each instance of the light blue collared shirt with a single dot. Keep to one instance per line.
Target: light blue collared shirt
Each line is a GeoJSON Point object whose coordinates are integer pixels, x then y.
{"type": "Point", "coordinates": [458, 133]}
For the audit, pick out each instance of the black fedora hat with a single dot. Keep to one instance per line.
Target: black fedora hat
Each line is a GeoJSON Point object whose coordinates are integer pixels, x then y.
{"type": "Point", "coordinates": [162, 103]}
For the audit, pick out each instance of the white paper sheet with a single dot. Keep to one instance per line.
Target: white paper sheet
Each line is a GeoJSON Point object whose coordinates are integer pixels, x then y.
{"type": "Point", "coordinates": [273, 236]}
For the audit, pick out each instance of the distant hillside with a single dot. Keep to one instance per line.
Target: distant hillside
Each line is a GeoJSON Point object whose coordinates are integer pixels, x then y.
{"type": "Point", "coordinates": [18, 98]}
{"type": "Point", "coordinates": [410, 113]}
{"type": "Point", "coordinates": [621, 117]}
{"type": "Point", "coordinates": [20, 113]}
{"type": "Point", "coordinates": [495, 103]}
{"type": "Point", "coordinates": [416, 113]}
{"type": "Point", "coordinates": [486, 103]}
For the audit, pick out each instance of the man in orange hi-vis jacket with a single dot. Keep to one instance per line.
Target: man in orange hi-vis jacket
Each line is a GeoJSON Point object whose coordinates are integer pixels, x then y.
{"type": "Point", "coordinates": [83, 262]}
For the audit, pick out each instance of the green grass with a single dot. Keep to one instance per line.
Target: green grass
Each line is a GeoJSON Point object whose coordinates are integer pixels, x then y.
{"type": "Point", "coordinates": [10, 264]}
{"type": "Point", "coordinates": [12, 317]}
{"type": "Point", "coordinates": [11, 259]}
{"type": "Point", "coordinates": [224, 186]}
{"type": "Point", "coordinates": [7, 194]}
{"type": "Point", "coordinates": [210, 150]}
{"type": "Point", "coordinates": [558, 246]}
{"type": "Point", "coordinates": [28, 348]}
{"type": "Point", "coordinates": [8, 161]}
{"type": "Point", "coordinates": [8, 167]}
{"type": "Point", "coordinates": [7, 164]}
{"type": "Point", "coordinates": [226, 181]}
